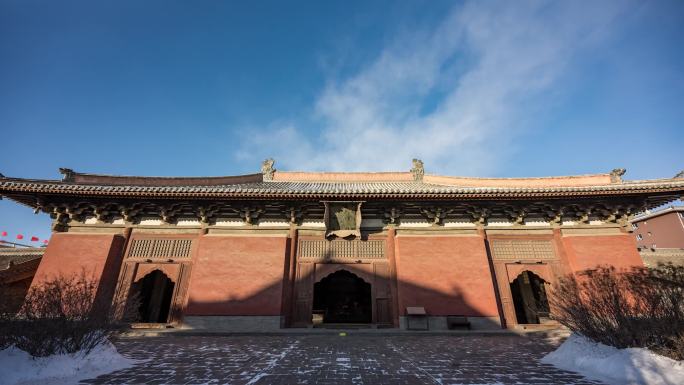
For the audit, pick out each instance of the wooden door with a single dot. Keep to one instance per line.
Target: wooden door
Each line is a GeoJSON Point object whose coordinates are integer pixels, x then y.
{"type": "Point", "coordinates": [303, 295]}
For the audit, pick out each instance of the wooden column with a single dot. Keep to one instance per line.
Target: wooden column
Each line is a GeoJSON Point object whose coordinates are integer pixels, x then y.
{"type": "Point", "coordinates": [391, 247]}
{"type": "Point", "coordinates": [289, 277]}
{"type": "Point", "coordinates": [507, 305]}
{"type": "Point", "coordinates": [562, 254]}
{"type": "Point", "coordinates": [125, 277]}
{"type": "Point", "coordinates": [499, 276]}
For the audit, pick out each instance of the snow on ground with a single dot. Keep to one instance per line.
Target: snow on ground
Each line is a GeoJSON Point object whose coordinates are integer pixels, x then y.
{"type": "Point", "coordinates": [19, 368]}
{"type": "Point", "coordinates": [615, 366]}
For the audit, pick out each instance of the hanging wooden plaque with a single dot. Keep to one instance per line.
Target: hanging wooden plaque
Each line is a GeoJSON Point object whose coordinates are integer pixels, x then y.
{"type": "Point", "coordinates": [343, 219]}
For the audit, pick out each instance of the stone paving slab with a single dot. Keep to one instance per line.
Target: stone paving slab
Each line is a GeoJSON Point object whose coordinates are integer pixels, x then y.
{"type": "Point", "coordinates": [334, 359]}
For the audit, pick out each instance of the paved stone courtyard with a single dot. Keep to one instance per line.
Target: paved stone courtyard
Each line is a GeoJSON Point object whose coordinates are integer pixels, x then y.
{"type": "Point", "coordinates": [334, 359]}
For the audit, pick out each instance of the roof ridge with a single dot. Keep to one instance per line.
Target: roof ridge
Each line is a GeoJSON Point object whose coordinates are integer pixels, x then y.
{"type": "Point", "coordinates": [70, 176]}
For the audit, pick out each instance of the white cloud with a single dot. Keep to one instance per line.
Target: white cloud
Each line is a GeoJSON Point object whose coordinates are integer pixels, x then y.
{"type": "Point", "coordinates": [475, 70]}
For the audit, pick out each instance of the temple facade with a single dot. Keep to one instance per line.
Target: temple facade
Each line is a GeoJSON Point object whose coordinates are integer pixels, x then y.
{"type": "Point", "coordinates": [282, 249]}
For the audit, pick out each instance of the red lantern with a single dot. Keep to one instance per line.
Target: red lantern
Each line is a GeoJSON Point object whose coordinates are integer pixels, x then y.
{"type": "Point", "coordinates": [45, 242]}
{"type": "Point", "coordinates": [20, 236]}
{"type": "Point", "coordinates": [4, 233]}
{"type": "Point", "coordinates": [34, 239]}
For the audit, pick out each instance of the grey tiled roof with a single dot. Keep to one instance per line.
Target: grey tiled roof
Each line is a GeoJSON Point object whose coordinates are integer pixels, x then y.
{"type": "Point", "coordinates": [19, 255]}
{"type": "Point", "coordinates": [325, 188]}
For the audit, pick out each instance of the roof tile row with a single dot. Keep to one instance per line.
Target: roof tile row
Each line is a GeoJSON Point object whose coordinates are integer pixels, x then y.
{"type": "Point", "coordinates": [331, 188]}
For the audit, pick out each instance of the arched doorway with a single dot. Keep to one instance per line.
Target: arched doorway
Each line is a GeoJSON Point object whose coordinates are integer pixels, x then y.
{"type": "Point", "coordinates": [529, 298]}
{"type": "Point", "coordinates": [154, 291]}
{"type": "Point", "coordinates": [343, 297]}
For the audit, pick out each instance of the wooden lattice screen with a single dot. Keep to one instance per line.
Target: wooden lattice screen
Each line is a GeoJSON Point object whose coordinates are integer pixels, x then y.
{"type": "Point", "coordinates": [522, 249]}
{"type": "Point", "coordinates": [160, 248]}
{"type": "Point", "coordinates": [341, 249]}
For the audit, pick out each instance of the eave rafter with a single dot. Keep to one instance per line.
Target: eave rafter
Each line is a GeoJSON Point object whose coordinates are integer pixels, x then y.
{"type": "Point", "coordinates": [609, 208]}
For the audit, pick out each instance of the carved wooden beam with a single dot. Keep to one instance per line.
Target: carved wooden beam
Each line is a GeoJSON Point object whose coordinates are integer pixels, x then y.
{"type": "Point", "coordinates": [169, 214]}
{"type": "Point", "coordinates": [131, 213]}
{"type": "Point", "coordinates": [478, 215]}
{"type": "Point", "coordinates": [207, 214]}
{"type": "Point", "coordinates": [582, 213]}
{"type": "Point", "coordinates": [391, 215]}
{"type": "Point", "coordinates": [294, 214]}
{"type": "Point", "coordinates": [250, 214]}
{"type": "Point", "coordinates": [436, 214]}
{"type": "Point", "coordinates": [516, 214]}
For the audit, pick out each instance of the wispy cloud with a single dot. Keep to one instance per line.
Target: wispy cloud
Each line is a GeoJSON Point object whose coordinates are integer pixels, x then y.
{"type": "Point", "coordinates": [454, 95]}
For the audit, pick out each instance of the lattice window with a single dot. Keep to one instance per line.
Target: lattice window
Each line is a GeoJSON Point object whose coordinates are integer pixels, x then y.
{"type": "Point", "coordinates": [160, 248]}
{"type": "Point", "coordinates": [323, 249]}
{"type": "Point", "coordinates": [528, 249]}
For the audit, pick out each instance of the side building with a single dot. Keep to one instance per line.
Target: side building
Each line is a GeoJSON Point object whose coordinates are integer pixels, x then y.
{"type": "Point", "coordinates": [660, 235]}
{"type": "Point", "coordinates": [284, 249]}
{"type": "Point", "coordinates": [18, 266]}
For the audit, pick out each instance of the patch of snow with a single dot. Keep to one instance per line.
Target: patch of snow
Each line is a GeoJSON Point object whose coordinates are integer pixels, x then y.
{"type": "Point", "coordinates": [344, 362]}
{"type": "Point", "coordinates": [272, 363]}
{"type": "Point", "coordinates": [633, 366]}
{"type": "Point", "coordinates": [19, 368]}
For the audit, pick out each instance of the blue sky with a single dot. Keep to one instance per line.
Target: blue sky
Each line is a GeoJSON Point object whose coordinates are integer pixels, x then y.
{"type": "Point", "coordinates": [212, 88]}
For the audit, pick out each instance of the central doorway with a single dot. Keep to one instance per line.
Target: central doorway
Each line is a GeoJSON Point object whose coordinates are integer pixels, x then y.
{"type": "Point", "coordinates": [154, 291]}
{"type": "Point", "coordinates": [343, 297]}
{"type": "Point", "coordinates": [529, 298]}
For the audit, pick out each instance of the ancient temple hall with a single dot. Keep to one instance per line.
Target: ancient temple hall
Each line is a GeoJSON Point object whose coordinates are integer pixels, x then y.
{"type": "Point", "coordinates": [284, 249]}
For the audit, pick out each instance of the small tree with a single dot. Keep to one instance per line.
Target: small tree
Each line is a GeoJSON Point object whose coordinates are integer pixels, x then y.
{"type": "Point", "coordinates": [62, 315]}
{"type": "Point", "coordinates": [635, 308]}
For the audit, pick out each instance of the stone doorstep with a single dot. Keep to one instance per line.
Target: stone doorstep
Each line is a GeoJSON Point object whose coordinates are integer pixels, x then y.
{"type": "Point", "coordinates": [152, 332]}
{"type": "Point", "coordinates": [151, 326]}
{"type": "Point", "coordinates": [548, 325]}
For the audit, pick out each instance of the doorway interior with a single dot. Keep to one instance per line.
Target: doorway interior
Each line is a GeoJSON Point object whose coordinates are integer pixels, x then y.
{"type": "Point", "coordinates": [343, 297]}
{"type": "Point", "coordinates": [154, 292]}
{"type": "Point", "coordinates": [529, 298]}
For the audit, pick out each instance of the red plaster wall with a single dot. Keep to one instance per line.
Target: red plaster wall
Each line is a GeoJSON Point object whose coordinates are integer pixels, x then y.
{"type": "Point", "coordinates": [237, 276]}
{"type": "Point", "coordinates": [446, 275]}
{"type": "Point", "coordinates": [96, 254]}
{"type": "Point", "coordinates": [587, 252]}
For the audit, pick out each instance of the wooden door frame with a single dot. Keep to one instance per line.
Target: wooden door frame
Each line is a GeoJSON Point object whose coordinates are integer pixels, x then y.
{"type": "Point", "coordinates": [178, 270]}
{"type": "Point", "coordinates": [552, 267]}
